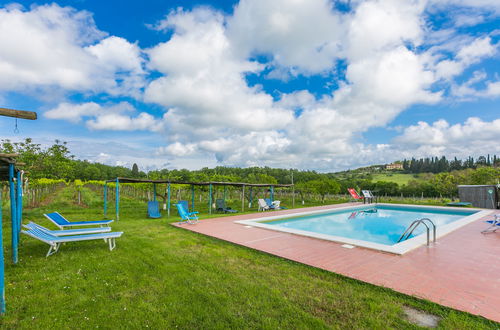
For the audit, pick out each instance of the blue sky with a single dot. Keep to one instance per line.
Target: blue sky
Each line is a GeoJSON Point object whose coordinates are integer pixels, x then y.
{"type": "Point", "coordinates": [309, 84]}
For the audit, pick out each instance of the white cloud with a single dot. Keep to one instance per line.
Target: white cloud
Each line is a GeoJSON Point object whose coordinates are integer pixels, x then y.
{"type": "Point", "coordinates": [473, 137]}
{"type": "Point", "coordinates": [53, 46]}
{"type": "Point", "coordinates": [486, 5]}
{"type": "Point", "coordinates": [119, 122]}
{"type": "Point", "coordinates": [493, 89]}
{"type": "Point", "coordinates": [110, 117]}
{"type": "Point", "coordinates": [214, 111]}
{"type": "Point", "coordinates": [73, 112]}
{"type": "Point", "coordinates": [467, 55]}
{"type": "Point", "coordinates": [285, 30]}
{"type": "Point", "coordinates": [204, 82]}
{"type": "Point", "coordinates": [178, 149]}
{"type": "Point", "coordinates": [383, 25]}
{"type": "Point", "coordinates": [468, 91]}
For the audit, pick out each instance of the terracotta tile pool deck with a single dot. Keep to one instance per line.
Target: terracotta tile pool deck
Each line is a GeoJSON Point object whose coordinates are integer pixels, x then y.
{"type": "Point", "coordinates": [461, 271]}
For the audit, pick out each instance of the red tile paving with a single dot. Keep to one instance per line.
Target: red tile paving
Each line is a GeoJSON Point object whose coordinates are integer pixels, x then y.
{"type": "Point", "coordinates": [462, 270]}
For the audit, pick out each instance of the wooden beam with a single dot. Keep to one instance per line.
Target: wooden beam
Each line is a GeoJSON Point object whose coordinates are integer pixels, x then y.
{"type": "Point", "coordinates": [18, 113]}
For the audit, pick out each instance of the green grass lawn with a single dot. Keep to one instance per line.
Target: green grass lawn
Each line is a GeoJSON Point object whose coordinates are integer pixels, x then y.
{"type": "Point", "coordinates": [399, 178]}
{"type": "Point", "coordinates": [160, 276]}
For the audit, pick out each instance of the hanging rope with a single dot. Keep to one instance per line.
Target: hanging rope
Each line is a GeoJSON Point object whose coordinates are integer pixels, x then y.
{"type": "Point", "coordinates": [16, 130]}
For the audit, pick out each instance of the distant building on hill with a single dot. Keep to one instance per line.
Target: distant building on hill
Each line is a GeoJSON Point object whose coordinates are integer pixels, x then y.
{"type": "Point", "coordinates": [394, 166]}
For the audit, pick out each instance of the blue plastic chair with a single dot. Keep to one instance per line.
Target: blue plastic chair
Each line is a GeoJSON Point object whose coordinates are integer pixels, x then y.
{"type": "Point", "coordinates": [269, 203]}
{"type": "Point", "coordinates": [153, 210]}
{"type": "Point", "coordinates": [189, 217]}
{"type": "Point", "coordinates": [62, 222]}
{"type": "Point", "coordinates": [184, 204]}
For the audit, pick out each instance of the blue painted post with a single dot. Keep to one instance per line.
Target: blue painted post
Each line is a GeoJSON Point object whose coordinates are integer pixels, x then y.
{"type": "Point", "coordinates": [251, 197]}
{"type": "Point", "coordinates": [192, 198]}
{"type": "Point", "coordinates": [105, 199]}
{"type": "Point", "coordinates": [117, 203]}
{"type": "Point", "coordinates": [13, 212]}
{"type": "Point", "coordinates": [2, 279]}
{"type": "Point", "coordinates": [154, 192]}
{"type": "Point", "coordinates": [19, 205]}
{"type": "Point", "coordinates": [243, 199]}
{"type": "Point", "coordinates": [210, 199]}
{"type": "Point", "coordinates": [168, 199]}
{"type": "Point", "coordinates": [272, 194]}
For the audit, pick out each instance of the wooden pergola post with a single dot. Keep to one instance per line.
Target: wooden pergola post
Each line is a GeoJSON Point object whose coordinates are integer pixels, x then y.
{"type": "Point", "coordinates": [168, 199]}
{"type": "Point", "coordinates": [117, 199]}
{"type": "Point", "coordinates": [2, 280]}
{"type": "Point", "coordinates": [210, 198]}
{"type": "Point", "coordinates": [251, 197]}
{"type": "Point", "coordinates": [19, 204]}
{"type": "Point", "coordinates": [105, 199]}
{"type": "Point", "coordinates": [192, 198]}
{"type": "Point", "coordinates": [13, 212]}
{"type": "Point", "coordinates": [243, 199]}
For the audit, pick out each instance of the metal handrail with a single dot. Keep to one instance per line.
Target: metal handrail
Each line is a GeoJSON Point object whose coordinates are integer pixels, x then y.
{"type": "Point", "coordinates": [407, 233]}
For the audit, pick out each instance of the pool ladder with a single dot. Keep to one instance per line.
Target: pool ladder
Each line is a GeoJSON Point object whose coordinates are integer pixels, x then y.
{"type": "Point", "coordinates": [424, 221]}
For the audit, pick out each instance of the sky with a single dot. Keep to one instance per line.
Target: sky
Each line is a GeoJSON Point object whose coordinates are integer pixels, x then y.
{"type": "Point", "coordinates": [309, 84]}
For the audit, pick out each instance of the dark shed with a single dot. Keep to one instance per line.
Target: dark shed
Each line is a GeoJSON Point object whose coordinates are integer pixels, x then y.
{"type": "Point", "coordinates": [483, 196]}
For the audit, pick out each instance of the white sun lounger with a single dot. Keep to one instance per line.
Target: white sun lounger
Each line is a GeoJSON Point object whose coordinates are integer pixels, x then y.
{"type": "Point", "coordinates": [56, 241]}
{"type": "Point", "coordinates": [263, 205]}
{"type": "Point", "coordinates": [66, 232]}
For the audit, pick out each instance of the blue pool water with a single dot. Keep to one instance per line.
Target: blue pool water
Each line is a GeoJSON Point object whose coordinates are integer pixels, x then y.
{"type": "Point", "coordinates": [380, 224]}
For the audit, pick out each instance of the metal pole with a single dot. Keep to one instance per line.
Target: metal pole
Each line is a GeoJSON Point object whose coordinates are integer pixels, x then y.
{"type": "Point", "coordinates": [154, 192]}
{"type": "Point", "coordinates": [243, 199]}
{"type": "Point", "coordinates": [105, 199]}
{"type": "Point", "coordinates": [13, 212]}
{"type": "Point", "coordinates": [251, 198]}
{"type": "Point", "coordinates": [117, 203]}
{"type": "Point", "coordinates": [293, 193]}
{"type": "Point", "coordinates": [2, 273]}
{"type": "Point", "coordinates": [19, 204]}
{"type": "Point", "coordinates": [225, 188]}
{"type": "Point", "coordinates": [272, 194]}
{"type": "Point", "coordinates": [210, 198]}
{"type": "Point", "coordinates": [168, 199]}
{"type": "Point", "coordinates": [192, 198]}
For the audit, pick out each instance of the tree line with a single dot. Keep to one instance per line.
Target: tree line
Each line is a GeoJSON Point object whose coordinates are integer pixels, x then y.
{"type": "Point", "coordinates": [440, 178]}
{"type": "Point", "coordinates": [439, 165]}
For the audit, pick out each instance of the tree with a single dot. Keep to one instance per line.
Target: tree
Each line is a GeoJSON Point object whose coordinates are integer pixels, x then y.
{"type": "Point", "coordinates": [135, 171]}
{"type": "Point", "coordinates": [446, 184]}
{"type": "Point", "coordinates": [324, 187]}
{"type": "Point", "coordinates": [484, 175]}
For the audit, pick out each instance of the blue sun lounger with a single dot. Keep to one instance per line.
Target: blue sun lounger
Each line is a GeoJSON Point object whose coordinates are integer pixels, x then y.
{"type": "Point", "coordinates": [220, 206]}
{"type": "Point", "coordinates": [56, 241]}
{"type": "Point", "coordinates": [189, 217]}
{"type": "Point", "coordinates": [153, 210]}
{"type": "Point", "coordinates": [62, 222]}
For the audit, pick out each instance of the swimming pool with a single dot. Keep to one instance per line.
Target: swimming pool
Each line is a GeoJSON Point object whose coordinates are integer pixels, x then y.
{"type": "Point", "coordinates": [376, 226]}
